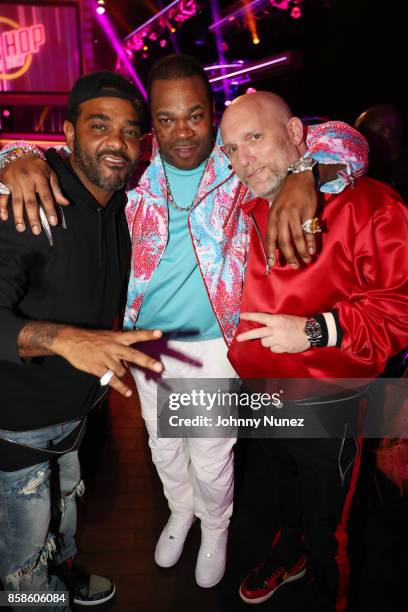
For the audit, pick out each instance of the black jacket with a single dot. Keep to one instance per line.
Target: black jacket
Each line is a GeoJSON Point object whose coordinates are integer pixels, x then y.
{"type": "Point", "coordinates": [79, 280]}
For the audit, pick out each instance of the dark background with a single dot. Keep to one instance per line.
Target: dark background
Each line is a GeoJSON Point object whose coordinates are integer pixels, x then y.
{"type": "Point", "coordinates": [354, 51]}
{"type": "Point", "coordinates": [353, 54]}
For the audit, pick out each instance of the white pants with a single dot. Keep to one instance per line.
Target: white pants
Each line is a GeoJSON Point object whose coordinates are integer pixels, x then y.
{"type": "Point", "coordinates": [197, 473]}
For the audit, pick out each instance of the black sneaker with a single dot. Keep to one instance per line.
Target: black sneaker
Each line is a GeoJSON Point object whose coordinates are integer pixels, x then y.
{"type": "Point", "coordinates": [85, 589]}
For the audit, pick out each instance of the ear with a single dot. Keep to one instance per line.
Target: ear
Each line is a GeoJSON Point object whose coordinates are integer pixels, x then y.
{"type": "Point", "coordinates": [69, 132]}
{"type": "Point", "coordinates": [295, 130]}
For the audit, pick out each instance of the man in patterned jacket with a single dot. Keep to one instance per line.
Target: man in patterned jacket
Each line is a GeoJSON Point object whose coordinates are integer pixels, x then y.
{"type": "Point", "coordinates": [189, 249]}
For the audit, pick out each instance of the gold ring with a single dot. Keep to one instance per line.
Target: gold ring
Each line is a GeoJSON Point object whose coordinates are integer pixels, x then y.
{"type": "Point", "coordinates": [311, 226]}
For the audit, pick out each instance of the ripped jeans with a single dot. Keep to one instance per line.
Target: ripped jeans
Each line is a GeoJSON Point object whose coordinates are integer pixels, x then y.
{"type": "Point", "coordinates": [37, 519]}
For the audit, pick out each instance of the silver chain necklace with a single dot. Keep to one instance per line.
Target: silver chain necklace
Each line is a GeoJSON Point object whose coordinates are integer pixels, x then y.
{"type": "Point", "coordinates": [170, 198]}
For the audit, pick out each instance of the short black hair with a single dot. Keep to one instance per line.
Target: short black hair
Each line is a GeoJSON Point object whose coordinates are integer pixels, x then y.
{"type": "Point", "coordinates": [178, 66]}
{"type": "Point", "coordinates": [98, 84]}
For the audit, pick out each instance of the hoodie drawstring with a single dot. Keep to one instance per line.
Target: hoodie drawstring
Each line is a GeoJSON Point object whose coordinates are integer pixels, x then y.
{"type": "Point", "coordinates": [100, 235]}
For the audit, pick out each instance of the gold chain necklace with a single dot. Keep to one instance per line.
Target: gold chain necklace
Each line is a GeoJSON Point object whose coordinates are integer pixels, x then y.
{"type": "Point", "coordinates": [170, 198]}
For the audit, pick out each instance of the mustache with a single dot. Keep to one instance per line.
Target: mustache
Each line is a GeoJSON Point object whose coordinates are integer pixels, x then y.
{"type": "Point", "coordinates": [249, 173]}
{"type": "Point", "coordinates": [185, 145]}
{"type": "Point", "coordinates": [116, 153]}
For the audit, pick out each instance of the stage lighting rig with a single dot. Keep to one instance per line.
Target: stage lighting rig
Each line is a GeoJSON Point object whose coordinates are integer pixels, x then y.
{"type": "Point", "coordinates": [162, 25]}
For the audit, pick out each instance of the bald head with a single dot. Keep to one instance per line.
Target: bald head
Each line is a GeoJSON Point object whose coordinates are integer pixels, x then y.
{"type": "Point", "coordinates": [379, 117]}
{"type": "Point", "coordinates": [261, 138]}
{"type": "Point", "coordinates": [270, 104]}
{"type": "Point", "coordinates": [383, 126]}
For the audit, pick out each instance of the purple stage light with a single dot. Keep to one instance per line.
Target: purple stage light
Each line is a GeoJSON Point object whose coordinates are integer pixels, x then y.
{"type": "Point", "coordinates": [274, 61]}
{"type": "Point", "coordinates": [151, 20]}
{"type": "Point", "coordinates": [100, 10]}
{"type": "Point", "coordinates": [236, 64]}
{"type": "Point", "coordinates": [6, 113]}
{"type": "Point", "coordinates": [237, 11]}
{"type": "Point", "coordinates": [177, 11]}
{"type": "Point", "coordinates": [282, 4]}
{"type": "Point", "coordinates": [180, 13]}
{"type": "Point", "coordinates": [215, 14]}
{"type": "Point", "coordinates": [121, 53]}
{"type": "Point", "coordinates": [218, 69]}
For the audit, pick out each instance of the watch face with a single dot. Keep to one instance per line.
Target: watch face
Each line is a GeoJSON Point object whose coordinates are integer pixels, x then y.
{"type": "Point", "coordinates": [313, 330]}
{"type": "Point", "coordinates": [300, 165]}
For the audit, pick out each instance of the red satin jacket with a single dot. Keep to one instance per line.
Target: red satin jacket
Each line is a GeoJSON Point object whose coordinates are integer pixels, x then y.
{"type": "Point", "coordinates": [361, 270]}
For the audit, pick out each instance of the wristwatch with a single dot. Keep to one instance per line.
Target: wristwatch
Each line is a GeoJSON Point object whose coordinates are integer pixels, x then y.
{"type": "Point", "coordinates": [305, 163]}
{"type": "Point", "coordinates": [4, 190]}
{"type": "Point", "coordinates": [302, 164]}
{"type": "Point", "coordinates": [314, 332]}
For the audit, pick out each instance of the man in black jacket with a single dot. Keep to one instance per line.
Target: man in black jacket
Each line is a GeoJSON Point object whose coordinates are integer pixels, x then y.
{"type": "Point", "coordinates": [59, 295]}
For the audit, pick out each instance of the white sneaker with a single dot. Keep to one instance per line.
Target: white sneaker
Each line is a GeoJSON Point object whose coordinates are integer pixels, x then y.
{"type": "Point", "coordinates": [170, 544]}
{"type": "Point", "coordinates": [212, 558]}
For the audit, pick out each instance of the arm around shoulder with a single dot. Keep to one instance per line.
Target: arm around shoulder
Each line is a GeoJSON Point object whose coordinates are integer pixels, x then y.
{"type": "Point", "coordinates": [336, 143]}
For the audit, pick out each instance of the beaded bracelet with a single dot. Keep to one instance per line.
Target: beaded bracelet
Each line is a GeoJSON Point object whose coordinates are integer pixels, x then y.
{"type": "Point", "coordinates": [20, 151]}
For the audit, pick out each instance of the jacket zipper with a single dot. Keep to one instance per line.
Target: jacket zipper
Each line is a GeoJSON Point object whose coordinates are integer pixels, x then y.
{"type": "Point", "coordinates": [343, 473]}
{"type": "Point", "coordinates": [267, 266]}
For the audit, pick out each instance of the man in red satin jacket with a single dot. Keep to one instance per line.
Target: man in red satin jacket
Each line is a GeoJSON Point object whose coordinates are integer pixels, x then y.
{"type": "Point", "coordinates": [342, 316]}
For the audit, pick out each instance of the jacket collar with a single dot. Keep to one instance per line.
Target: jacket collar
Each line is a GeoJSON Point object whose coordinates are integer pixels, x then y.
{"type": "Point", "coordinates": [216, 172]}
{"type": "Point", "coordinates": [249, 207]}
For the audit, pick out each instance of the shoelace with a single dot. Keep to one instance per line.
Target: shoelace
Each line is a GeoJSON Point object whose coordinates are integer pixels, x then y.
{"type": "Point", "coordinates": [274, 574]}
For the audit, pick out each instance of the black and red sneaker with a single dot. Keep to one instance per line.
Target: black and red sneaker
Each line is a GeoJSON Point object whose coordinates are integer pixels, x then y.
{"type": "Point", "coordinates": [265, 579]}
{"type": "Point", "coordinates": [85, 589]}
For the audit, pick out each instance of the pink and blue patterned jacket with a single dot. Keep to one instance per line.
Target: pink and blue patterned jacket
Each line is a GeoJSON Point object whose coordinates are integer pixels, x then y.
{"type": "Point", "coordinates": [219, 229]}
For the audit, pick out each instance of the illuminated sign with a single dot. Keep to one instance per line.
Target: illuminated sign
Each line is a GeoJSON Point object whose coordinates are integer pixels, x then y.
{"type": "Point", "coordinates": [17, 47]}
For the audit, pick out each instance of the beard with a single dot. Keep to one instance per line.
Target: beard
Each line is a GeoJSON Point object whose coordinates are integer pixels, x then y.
{"type": "Point", "coordinates": [271, 187]}
{"type": "Point", "coordinates": [90, 165]}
